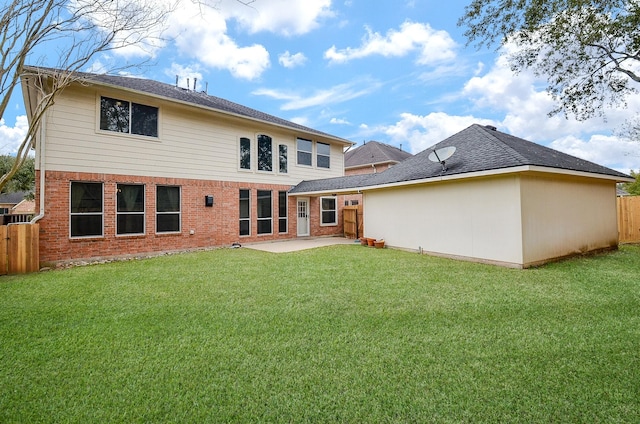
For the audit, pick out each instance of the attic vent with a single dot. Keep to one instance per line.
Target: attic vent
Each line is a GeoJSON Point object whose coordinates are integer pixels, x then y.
{"type": "Point", "coordinates": [491, 127]}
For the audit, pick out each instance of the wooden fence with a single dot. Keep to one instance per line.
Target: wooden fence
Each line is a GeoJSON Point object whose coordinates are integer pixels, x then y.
{"type": "Point", "coordinates": [629, 219]}
{"type": "Point", "coordinates": [353, 222]}
{"type": "Point", "coordinates": [19, 248]}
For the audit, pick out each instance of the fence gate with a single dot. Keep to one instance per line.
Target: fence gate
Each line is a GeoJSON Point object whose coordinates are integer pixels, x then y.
{"type": "Point", "coordinates": [629, 219]}
{"type": "Point", "coordinates": [19, 248]}
{"type": "Point", "coordinates": [352, 218]}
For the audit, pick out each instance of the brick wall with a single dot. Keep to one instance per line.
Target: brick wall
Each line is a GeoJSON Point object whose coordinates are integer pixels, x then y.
{"type": "Point", "coordinates": [211, 226]}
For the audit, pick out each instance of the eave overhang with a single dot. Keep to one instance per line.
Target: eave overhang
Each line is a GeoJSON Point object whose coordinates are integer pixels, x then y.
{"type": "Point", "coordinates": [469, 175]}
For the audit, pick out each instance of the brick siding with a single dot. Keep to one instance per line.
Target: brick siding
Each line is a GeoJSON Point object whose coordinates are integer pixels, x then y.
{"type": "Point", "coordinates": [211, 226]}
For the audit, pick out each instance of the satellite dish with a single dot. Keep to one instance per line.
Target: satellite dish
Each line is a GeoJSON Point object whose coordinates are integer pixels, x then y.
{"type": "Point", "coordinates": [441, 155]}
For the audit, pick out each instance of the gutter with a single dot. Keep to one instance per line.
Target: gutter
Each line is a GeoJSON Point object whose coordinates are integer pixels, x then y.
{"type": "Point", "coordinates": [475, 174]}
{"type": "Point", "coordinates": [41, 133]}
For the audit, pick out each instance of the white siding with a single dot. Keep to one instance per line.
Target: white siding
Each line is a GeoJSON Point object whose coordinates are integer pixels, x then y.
{"type": "Point", "coordinates": [192, 143]}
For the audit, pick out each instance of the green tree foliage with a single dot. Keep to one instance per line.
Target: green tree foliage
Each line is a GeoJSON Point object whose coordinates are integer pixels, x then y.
{"type": "Point", "coordinates": [634, 187]}
{"type": "Point", "coordinates": [23, 179]}
{"type": "Point", "coordinates": [588, 50]}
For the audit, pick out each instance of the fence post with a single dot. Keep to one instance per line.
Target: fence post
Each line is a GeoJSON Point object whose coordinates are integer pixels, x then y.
{"type": "Point", "coordinates": [4, 258]}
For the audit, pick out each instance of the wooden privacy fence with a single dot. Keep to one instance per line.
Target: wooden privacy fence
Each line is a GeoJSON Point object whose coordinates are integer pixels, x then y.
{"type": "Point", "coordinates": [19, 248]}
{"type": "Point", "coordinates": [352, 219]}
{"type": "Point", "coordinates": [629, 219]}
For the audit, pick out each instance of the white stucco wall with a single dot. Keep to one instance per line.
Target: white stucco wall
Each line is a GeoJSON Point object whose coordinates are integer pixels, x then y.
{"type": "Point", "coordinates": [517, 220]}
{"type": "Point", "coordinates": [477, 218]}
{"type": "Point", "coordinates": [565, 215]}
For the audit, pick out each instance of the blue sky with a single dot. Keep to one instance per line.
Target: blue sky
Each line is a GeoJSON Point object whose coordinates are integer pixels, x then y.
{"type": "Point", "coordinates": [398, 72]}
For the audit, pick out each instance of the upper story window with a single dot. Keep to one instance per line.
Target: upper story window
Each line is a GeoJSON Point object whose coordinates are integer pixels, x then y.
{"type": "Point", "coordinates": [282, 156]}
{"type": "Point", "coordinates": [323, 155]}
{"type": "Point", "coordinates": [305, 151]}
{"type": "Point", "coordinates": [127, 117]}
{"type": "Point", "coordinates": [245, 153]}
{"type": "Point", "coordinates": [265, 153]}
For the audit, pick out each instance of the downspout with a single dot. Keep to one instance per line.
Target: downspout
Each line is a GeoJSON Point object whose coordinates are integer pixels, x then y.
{"type": "Point", "coordinates": [41, 135]}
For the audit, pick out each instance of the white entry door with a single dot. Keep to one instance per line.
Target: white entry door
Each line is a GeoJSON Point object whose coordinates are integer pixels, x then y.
{"type": "Point", "coordinates": [303, 217]}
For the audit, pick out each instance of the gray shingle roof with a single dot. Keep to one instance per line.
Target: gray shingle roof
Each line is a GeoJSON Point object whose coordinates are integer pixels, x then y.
{"type": "Point", "coordinates": [374, 152]}
{"type": "Point", "coordinates": [478, 148]}
{"type": "Point", "coordinates": [13, 198]}
{"type": "Point", "coordinates": [196, 98]}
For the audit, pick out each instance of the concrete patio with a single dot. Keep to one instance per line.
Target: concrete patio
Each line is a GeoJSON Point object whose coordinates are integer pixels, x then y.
{"type": "Point", "coordinates": [299, 244]}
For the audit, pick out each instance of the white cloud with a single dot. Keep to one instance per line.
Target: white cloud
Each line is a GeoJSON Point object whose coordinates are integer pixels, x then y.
{"type": "Point", "coordinates": [301, 120]}
{"type": "Point", "coordinates": [622, 155]}
{"type": "Point", "coordinates": [339, 121]}
{"type": "Point", "coordinates": [199, 31]}
{"type": "Point", "coordinates": [190, 74]}
{"type": "Point", "coordinates": [284, 17]}
{"type": "Point", "coordinates": [421, 132]}
{"type": "Point", "coordinates": [12, 137]}
{"type": "Point", "coordinates": [289, 60]}
{"type": "Point", "coordinates": [200, 34]}
{"type": "Point", "coordinates": [432, 46]}
{"type": "Point", "coordinates": [336, 94]}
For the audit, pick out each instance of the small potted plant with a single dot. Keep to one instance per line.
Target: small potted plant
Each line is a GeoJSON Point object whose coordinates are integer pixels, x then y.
{"type": "Point", "coordinates": [379, 243]}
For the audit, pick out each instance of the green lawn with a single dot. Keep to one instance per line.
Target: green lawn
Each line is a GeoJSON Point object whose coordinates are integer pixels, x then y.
{"type": "Point", "coordinates": [337, 334]}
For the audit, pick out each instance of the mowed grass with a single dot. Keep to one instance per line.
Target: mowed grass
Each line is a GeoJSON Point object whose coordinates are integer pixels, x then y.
{"type": "Point", "coordinates": [337, 334]}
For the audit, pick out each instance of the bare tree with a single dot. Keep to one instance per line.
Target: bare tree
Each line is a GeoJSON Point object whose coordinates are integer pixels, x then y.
{"type": "Point", "coordinates": [66, 35]}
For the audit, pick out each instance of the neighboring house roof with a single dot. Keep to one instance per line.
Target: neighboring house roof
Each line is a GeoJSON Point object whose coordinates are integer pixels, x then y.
{"type": "Point", "coordinates": [183, 95]}
{"type": "Point", "coordinates": [12, 198]}
{"type": "Point", "coordinates": [478, 148]}
{"type": "Point", "coordinates": [373, 152]}
{"type": "Point", "coordinates": [25, 206]}
{"type": "Point", "coordinates": [621, 192]}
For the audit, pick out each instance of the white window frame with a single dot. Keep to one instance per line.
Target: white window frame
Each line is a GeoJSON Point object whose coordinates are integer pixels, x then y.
{"type": "Point", "coordinates": [335, 202]}
{"type": "Point", "coordinates": [318, 155]}
{"type": "Point", "coordinates": [310, 152]}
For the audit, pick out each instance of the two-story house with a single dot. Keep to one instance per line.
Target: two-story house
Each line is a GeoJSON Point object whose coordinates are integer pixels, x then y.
{"type": "Point", "coordinates": [129, 166]}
